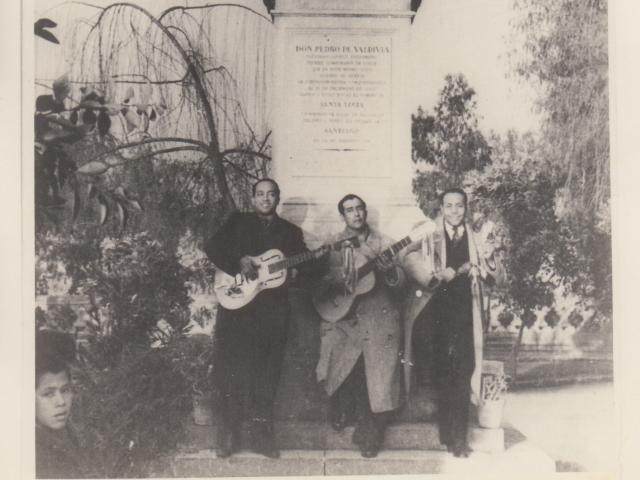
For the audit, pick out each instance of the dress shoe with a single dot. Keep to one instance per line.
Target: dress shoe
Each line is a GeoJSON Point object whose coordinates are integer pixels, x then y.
{"type": "Point", "coordinates": [462, 451]}
{"type": "Point", "coordinates": [369, 452]}
{"type": "Point", "coordinates": [269, 450]}
{"type": "Point", "coordinates": [340, 422]}
{"type": "Point", "coordinates": [227, 443]}
{"type": "Point", "coordinates": [224, 452]}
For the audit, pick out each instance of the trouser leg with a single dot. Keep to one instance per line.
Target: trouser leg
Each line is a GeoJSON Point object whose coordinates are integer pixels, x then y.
{"type": "Point", "coordinates": [231, 370]}
{"type": "Point", "coordinates": [342, 404]}
{"type": "Point", "coordinates": [460, 409]}
{"type": "Point", "coordinates": [267, 359]}
{"type": "Point", "coordinates": [370, 428]}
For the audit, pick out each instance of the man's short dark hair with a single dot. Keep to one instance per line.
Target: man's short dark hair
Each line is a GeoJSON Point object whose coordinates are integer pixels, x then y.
{"type": "Point", "coordinates": [453, 190]}
{"type": "Point", "coordinates": [266, 179]}
{"type": "Point", "coordinates": [347, 197]}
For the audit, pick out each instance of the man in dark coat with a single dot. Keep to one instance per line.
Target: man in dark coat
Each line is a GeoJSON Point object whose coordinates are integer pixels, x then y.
{"type": "Point", "coordinates": [457, 261]}
{"type": "Point", "coordinates": [250, 341]}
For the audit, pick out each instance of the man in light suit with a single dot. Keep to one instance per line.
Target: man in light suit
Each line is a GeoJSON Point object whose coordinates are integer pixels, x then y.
{"type": "Point", "coordinates": [448, 270]}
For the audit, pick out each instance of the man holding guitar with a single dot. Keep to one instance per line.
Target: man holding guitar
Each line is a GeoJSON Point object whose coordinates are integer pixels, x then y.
{"type": "Point", "coordinates": [359, 364]}
{"type": "Point", "coordinates": [447, 271]}
{"type": "Point", "coordinates": [250, 339]}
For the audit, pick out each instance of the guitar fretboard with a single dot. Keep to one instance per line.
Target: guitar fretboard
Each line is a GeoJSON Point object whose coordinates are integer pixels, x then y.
{"type": "Point", "coordinates": [294, 260]}
{"type": "Point", "coordinates": [392, 250]}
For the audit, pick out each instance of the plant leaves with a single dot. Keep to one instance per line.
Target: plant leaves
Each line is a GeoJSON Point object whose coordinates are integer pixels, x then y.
{"type": "Point", "coordinates": [91, 96]}
{"type": "Point", "coordinates": [128, 95]}
{"type": "Point", "coordinates": [112, 160]}
{"type": "Point", "coordinates": [58, 106]}
{"type": "Point", "coordinates": [136, 205]}
{"type": "Point", "coordinates": [122, 215]}
{"type": "Point", "coordinates": [131, 120]}
{"type": "Point", "coordinates": [40, 125]}
{"type": "Point", "coordinates": [104, 123]}
{"type": "Point", "coordinates": [89, 117]}
{"type": "Point", "coordinates": [39, 29]}
{"type": "Point", "coordinates": [45, 103]}
{"type": "Point", "coordinates": [111, 108]}
{"type": "Point", "coordinates": [144, 121]}
{"type": "Point", "coordinates": [61, 88]}
{"type": "Point", "coordinates": [76, 200]}
{"type": "Point", "coordinates": [58, 135]}
{"type": "Point", "coordinates": [90, 104]}
{"type": "Point", "coordinates": [94, 167]}
{"type": "Point", "coordinates": [45, 23]}
{"type": "Point", "coordinates": [104, 208]}
{"type": "Point", "coordinates": [92, 191]}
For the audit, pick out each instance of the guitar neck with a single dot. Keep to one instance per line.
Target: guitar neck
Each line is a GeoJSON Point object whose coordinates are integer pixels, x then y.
{"type": "Point", "coordinates": [294, 260]}
{"type": "Point", "coordinates": [392, 250]}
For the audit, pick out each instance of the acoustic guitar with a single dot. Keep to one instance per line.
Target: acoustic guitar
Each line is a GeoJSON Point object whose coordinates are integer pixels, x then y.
{"type": "Point", "coordinates": [235, 292]}
{"type": "Point", "coordinates": [334, 301]}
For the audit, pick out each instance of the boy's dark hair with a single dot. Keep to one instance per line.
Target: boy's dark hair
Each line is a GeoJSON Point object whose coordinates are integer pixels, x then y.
{"type": "Point", "coordinates": [47, 362]}
{"type": "Point", "coordinates": [347, 197]}
{"type": "Point", "coordinates": [266, 179]}
{"type": "Point", "coordinates": [54, 351]}
{"type": "Point", "coordinates": [453, 190]}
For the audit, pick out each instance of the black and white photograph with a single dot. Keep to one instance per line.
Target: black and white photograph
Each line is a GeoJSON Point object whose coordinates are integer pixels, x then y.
{"type": "Point", "coordinates": [320, 238]}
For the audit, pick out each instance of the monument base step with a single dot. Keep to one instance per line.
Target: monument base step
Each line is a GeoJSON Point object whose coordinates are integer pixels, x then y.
{"type": "Point", "coordinates": [306, 435]}
{"type": "Point", "coordinates": [521, 457]}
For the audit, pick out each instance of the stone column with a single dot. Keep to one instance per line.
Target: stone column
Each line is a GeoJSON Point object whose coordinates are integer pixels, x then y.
{"type": "Point", "coordinates": [342, 123]}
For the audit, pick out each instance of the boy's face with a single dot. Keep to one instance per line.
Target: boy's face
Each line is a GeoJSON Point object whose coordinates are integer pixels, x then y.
{"type": "Point", "coordinates": [53, 400]}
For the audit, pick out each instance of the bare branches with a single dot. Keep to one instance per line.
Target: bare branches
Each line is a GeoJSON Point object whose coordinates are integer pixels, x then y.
{"type": "Point", "coordinates": [203, 147]}
{"type": "Point", "coordinates": [244, 152]}
{"type": "Point", "coordinates": [201, 7]}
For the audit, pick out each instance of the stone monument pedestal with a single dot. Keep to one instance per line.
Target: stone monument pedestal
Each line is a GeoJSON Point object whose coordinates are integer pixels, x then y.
{"type": "Point", "coordinates": [342, 123]}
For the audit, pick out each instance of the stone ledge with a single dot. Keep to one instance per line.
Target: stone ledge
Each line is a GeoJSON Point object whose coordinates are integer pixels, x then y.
{"type": "Point", "coordinates": [307, 435]}
{"type": "Point", "coordinates": [248, 464]}
{"type": "Point", "coordinates": [523, 457]}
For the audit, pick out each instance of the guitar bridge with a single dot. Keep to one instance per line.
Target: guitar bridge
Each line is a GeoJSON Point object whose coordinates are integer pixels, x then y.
{"type": "Point", "coordinates": [234, 291]}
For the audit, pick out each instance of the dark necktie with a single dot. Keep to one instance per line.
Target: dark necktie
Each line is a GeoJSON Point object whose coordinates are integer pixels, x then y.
{"type": "Point", "coordinates": [456, 235]}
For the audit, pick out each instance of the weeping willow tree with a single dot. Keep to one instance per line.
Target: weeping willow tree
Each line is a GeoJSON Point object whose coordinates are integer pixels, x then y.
{"type": "Point", "coordinates": [565, 51]}
{"type": "Point", "coordinates": [186, 89]}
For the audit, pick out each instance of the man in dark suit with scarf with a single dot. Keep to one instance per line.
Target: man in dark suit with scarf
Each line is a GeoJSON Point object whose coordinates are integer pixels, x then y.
{"type": "Point", "coordinates": [446, 301]}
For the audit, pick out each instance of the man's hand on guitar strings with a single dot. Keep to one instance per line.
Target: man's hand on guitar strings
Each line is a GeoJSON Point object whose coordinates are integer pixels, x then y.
{"type": "Point", "coordinates": [248, 268]}
{"type": "Point", "coordinates": [384, 263]}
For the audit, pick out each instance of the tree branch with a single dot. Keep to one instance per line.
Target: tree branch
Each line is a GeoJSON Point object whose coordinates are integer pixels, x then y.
{"type": "Point", "coordinates": [244, 152]}
{"type": "Point", "coordinates": [202, 146]}
{"type": "Point", "coordinates": [241, 170]}
{"type": "Point", "coordinates": [201, 7]}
